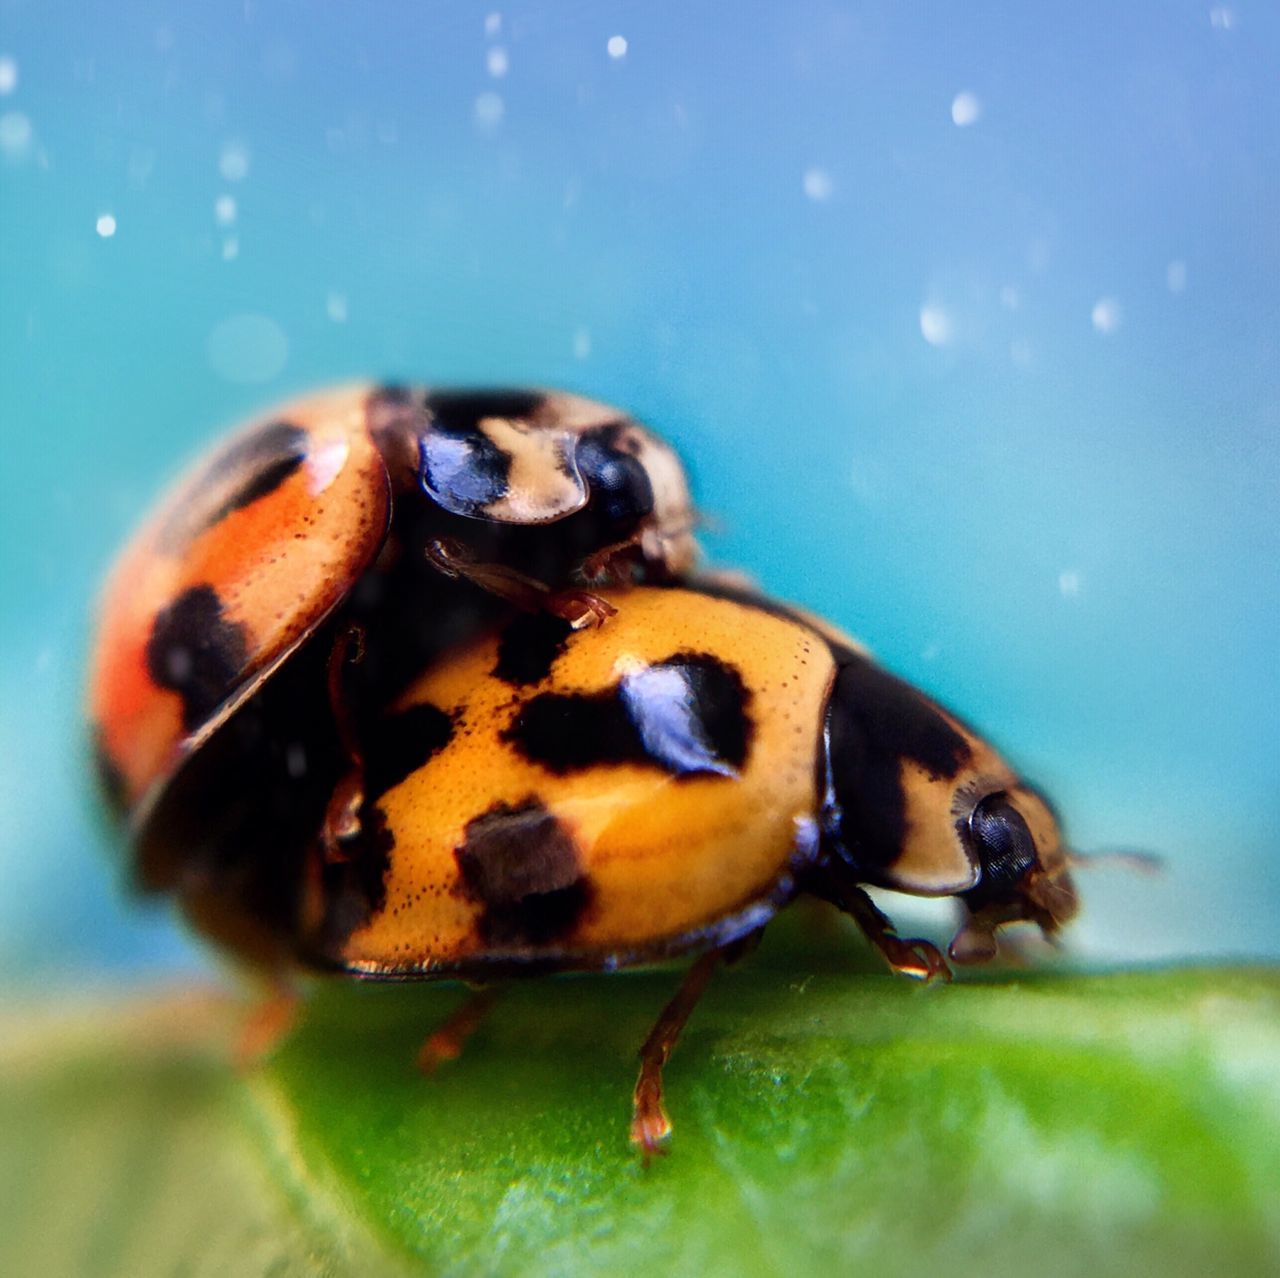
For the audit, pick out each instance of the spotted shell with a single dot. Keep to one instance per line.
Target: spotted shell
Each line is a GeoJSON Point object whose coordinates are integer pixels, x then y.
{"type": "Point", "coordinates": [269, 534]}
{"type": "Point", "coordinates": [572, 800]}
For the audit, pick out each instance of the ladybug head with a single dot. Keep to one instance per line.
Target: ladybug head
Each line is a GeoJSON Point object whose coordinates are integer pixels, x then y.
{"type": "Point", "coordinates": [638, 488]}
{"type": "Point", "coordinates": [1014, 841]}
{"type": "Point", "coordinates": [917, 802]}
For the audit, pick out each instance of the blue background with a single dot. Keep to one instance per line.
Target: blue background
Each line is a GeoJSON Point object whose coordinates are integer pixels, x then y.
{"type": "Point", "coordinates": [746, 230]}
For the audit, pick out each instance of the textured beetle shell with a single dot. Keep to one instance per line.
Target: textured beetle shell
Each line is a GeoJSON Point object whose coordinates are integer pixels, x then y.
{"type": "Point", "coordinates": [267, 536]}
{"type": "Point", "coordinates": [575, 799]}
{"type": "Point", "coordinates": [256, 545]}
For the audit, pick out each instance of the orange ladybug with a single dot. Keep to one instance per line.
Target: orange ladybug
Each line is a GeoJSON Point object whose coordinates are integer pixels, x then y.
{"type": "Point", "coordinates": [662, 786]}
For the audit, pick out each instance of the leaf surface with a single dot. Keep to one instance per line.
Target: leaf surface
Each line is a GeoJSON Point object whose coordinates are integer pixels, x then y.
{"type": "Point", "coordinates": [826, 1121]}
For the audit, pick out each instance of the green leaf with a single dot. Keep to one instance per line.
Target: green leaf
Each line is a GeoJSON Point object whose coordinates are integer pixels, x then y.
{"type": "Point", "coordinates": [826, 1121]}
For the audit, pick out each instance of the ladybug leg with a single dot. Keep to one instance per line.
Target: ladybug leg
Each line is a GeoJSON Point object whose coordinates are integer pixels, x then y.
{"type": "Point", "coordinates": [269, 1023]}
{"type": "Point", "coordinates": [613, 564]}
{"type": "Point", "coordinates": [913, 957]}
{"type": "Point", "coordinates": [642, 553]}
{"type": "Point", "coordinates": [342, 816]}
{"type": "Point", "coordinates": [447, 1041]}
{"type": "Point", "coordinates": [975, 941]}
{"type": "Point", "coordinates": [650, 1125]}
{"type": "Point", "coordinates": [579, 608]}
{"type": "Point", "coordinates": [348, 647]}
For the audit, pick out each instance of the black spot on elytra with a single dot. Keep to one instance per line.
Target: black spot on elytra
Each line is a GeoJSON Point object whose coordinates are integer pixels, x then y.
{"type": "Point", "coordinates": [874, 722]}
{"type": "Point", "coordinates": [569, 732]}
{"type": "Point", "coordinates": [691, 713]}
{"type": "Point", "coordinates": [267, 458]}
{"type": "Point", "coordinates": [400, 744]}
{"type": "Point", "coordinates": [460, 467]}
{"type": "Point", "coordinates": [619, 484]}
{"type": "Point", "coordinates": [687, 715]}
{"type": "Point", "coordinates": [245, 472]}
{"type": "Point", "coordinates": [529, 647]}
{"type": "Point", "coordinates": [523, 866]}
{"type": "Point", "coordinates": [197, 653]}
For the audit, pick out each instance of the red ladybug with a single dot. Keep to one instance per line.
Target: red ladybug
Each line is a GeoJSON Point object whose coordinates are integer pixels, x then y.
{"type": "Point", "coordinates": [360, 511]}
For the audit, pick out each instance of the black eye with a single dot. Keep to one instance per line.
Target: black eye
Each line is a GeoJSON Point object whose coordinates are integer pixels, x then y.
{"type": "Point", "coordinates": [619, 484]}
{"type": "Point", "coordinates": [1004, 847]}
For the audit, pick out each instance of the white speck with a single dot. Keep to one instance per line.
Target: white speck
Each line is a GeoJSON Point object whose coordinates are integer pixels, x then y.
{"type": "Point", "coordinates": [387, 132]}
{"type": "Point", "coordinates": [106, 226]}
{"type": "Point", "coordinates": [497, 62]}
{"type": "Point", "coordinates": [231, 248]}
{"type": "Point", "coordinates": [335, 307]}
{"type": "Point", "coordinates": [1020, 352]}
{"type": "Point", "coordinates": [931, 653]}
{"type": "Point", "coordinates": [15, 135]}
{"type": "Point", "coordinates": [1223, 18]}
{"type": "Point", "coordinates": [490, 109]}
{"type": "Point", "coordinates": [295, 761]}
{"type": "Point", "coordinates": [868, 481]}
{"type": "Point", "coordinates": [1106, 315]}
{"type": "Point", "coordinates": [224, 209]}
{"type": "Point", "coordinates": [617, 47]}
{"type": "Point", "coordinates": [965, 109]}
{"type": "Point", "coordinates": [935, 325]}
{"type": "Point", "coordinates": [233, 162]}
{"type": "Point", "coordinates": [1175, 276]}
{"type": "Point", "coordinates": [1010, 298]}
{"type": "Point", "coordinates": [142, 163]}
{"type": "Point", "coordinates": [492, 24]}
{"type": "Point", "coordinates": [8, 75]}
{"type": "Point", "coordinates": [581, 344]}
{"type": "Point", "coordinates": [817, 184]}
{"type": "Point", "coordinates": [247, 348]}
{"type": "Point", "coordinates": [1069, 582]}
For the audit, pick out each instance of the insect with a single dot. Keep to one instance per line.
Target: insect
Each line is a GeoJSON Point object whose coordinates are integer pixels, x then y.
{"type": "Point", "coordinates": [381, 519]}
{"type": "Point", "coordinates": [546, 799]}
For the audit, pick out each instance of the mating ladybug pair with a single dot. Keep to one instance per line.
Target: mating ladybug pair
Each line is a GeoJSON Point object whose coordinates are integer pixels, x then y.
{"type": "Point", "coordinates": [413, 685]}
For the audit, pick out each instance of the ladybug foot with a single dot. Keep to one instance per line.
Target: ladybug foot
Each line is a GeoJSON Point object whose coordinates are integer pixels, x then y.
{"type": "Point", "coordinates": [650, 1125]}
{"type": "Point", "coordinates": [267, 1026]}
{"type": "Point", "coordinates": [920, 960]}
{"type": "Point", "coordinates": [438, 1050]}
{"type": "Point", "coordinates": [446, 1043]}
{"type": "Point", "coordinates": [580, 608]}
{"type": "Point", "coordinates": [613, 565]}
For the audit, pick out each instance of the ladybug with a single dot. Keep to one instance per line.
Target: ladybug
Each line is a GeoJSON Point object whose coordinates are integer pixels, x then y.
{"type": "Point", "coordinates": [543, 799]}
{"type": "Point", "coordinates": [311, 564]}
